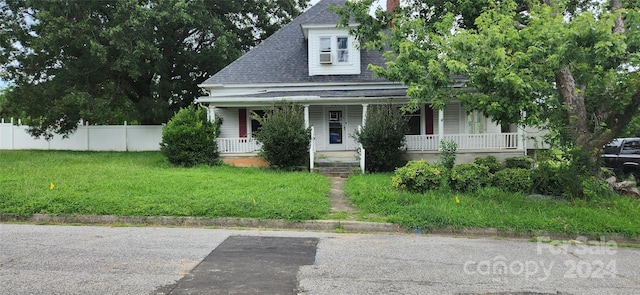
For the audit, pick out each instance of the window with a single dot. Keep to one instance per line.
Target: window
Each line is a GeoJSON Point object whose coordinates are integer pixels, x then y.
{"type": "Point", "coordinates": [414, 123]}
{"type": "Point", "coordinates": [331, 47]}
{"type": "Point", "coordinates": [631, 147]}
{"type": "Point", "coordinates": [325, 51]}
{"type": "Point", "coordinates": [255, 125]}
{"type": "Point", "coordinates": [343, 49]}
{"type": "Point", "coordinates": [475, 123]}
{"type": "Point", "coordinates": [325, 44]}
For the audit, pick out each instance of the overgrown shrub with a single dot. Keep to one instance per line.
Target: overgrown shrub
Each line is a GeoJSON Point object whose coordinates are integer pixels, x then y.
{"type": "Point", "coordinates": [285, 140]}
{"type": "Point", "coordinates": [513, 180]}
{"type": "Point", "coordinates": [522, 162]}
{"type": "Point", "coordinates": [469, 177]}
{"type": "Point", "coordinates": [565, 174]}
{"type": "Point", "coordinates": [595, 188]}
{"type": "Point", "coordinates": [545, 179]}
{"type": "Point", "coordinates": [448, 150]}
{"type": "Point", "coordinates": [491, 162]}
{"type": "Point", "coordinates": [418, 177]}
{"type": "Point", "coordinates": [383, 138]}
{"type": "Point", "coordinates": [189, 139]}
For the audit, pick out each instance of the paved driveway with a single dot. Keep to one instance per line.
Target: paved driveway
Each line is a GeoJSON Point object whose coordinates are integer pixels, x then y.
{"type": "Point", "coordinates": [147, 260]}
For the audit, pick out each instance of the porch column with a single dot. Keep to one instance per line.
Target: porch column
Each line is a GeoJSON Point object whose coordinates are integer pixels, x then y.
{"type": "Point", "coordinates": [306, 116]}
{"type": "Point", "coordinates": [211, 113]}
{"type": "Point", "coordinates": [440, 125]}
{"type": "Point", "coordinates": [365, 107]}
{"type": "Point", "coordinates": [522, 141]}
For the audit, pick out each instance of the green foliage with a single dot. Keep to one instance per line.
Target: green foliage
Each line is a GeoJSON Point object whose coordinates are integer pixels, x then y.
{"type": "Point", "coordinates": [513, 180]}
{"type": "Point", "coordinates": [383, 137]}
{"type": "Point", "coordinates": [418, 177]}
{"type": "Point", "coordinates": [593, 188]}
{"type": "Point", "coordinates": [141, 60]}
{"type": "Point", "coordinates": [189, 139]}
{"type": "Point", "coordinates": [559, 178]}
{"type": "Point", "coordinates": [493, 208]}
{"type": "Point", "coordinates": [522, 162]}
{"type": "Point", "coordinates": [545, 180]}
{"type": "Point", "coordinates": [469, 177]}
{"type": "Point", "coordinates": [562, 72]}
{"type": "Point", "coordinates": [490, 162]}
{"type": "Point", "coordinates": [285, 140]}
{"type": "Point", "coordinates": [606, 173]}
{"type": "Point", "coordinates": [448, 151]}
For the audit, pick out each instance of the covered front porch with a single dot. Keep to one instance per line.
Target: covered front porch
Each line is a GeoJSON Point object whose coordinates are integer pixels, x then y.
{"type": "Point", "coordinates": [333, 127]}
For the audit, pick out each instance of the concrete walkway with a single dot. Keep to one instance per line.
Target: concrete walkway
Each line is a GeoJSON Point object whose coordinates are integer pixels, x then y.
{"type": "Point", "coordinates": [339, 201]}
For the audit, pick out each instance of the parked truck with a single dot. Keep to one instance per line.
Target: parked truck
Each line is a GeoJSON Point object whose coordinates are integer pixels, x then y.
{"type": "Point", "coordinates": [622, 156]}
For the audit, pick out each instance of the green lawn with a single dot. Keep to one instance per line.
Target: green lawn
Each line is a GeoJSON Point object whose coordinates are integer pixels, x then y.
{"type": "Point", "coordinates": [491, 208]}
{"type": "Point", "coordinates": [144, 184]}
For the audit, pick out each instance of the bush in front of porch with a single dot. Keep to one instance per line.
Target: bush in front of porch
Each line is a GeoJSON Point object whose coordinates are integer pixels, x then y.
{"type": "Point", "coordinates": [189, 139]}
{"type": "Point", "coordinates": [383, 138]}
{"type": "Point", "coordinates": [285, 140]}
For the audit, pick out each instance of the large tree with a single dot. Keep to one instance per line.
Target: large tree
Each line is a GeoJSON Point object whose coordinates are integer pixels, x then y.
{"type": "Point", "coordinates": [116, 60]}
{"type": "Point", "coordinates": [568, 66]}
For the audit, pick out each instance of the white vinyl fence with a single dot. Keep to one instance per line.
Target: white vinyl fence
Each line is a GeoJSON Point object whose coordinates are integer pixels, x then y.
{"type": "Point", "coordinates": [86, 138]}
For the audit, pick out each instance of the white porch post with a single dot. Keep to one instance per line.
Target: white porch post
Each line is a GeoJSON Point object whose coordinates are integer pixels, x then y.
{"type": "Point", "coordinates": [440, 125]}
{"type": "Point", "coordinates": [306, 116]}
{"type": "Point", "coordinates": [365, 107]}
{"type": "Point", "coordinates": [211, 113]}
{"type": "Point", "coordinates": [522, 142]}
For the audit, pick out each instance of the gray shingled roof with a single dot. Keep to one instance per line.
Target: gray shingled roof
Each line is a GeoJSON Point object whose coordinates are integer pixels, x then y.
{"type": "Point", "coordinates": [282, 58]}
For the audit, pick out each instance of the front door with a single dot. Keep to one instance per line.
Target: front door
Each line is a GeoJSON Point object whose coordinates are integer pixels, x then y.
{"type": "Point", "coordinates": [337, 128]}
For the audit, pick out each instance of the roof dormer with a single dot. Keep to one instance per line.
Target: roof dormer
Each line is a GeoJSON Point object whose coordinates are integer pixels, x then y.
{"type": "Point", "coordinates": [331, 51]}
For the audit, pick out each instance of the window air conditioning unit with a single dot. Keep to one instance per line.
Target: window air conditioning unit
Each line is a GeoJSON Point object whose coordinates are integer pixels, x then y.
{"type": "Point", "coordinates": [325, 57]}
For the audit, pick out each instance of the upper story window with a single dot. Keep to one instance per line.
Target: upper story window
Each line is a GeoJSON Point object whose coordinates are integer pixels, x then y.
{"type": "Point", "coordinates": [334, 50]}
{"type": "Point", "coordinates": [331, 51]}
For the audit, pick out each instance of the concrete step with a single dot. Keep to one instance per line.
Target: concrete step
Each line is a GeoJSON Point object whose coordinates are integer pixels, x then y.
{"type": "Point", "coordinates": [337, 169]}
{"type": "Point", "coordinates": [337, 164]}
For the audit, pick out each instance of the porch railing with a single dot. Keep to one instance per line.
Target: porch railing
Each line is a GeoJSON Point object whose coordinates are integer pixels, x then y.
{"type": "Point", "coordinates": [238, 145]}
{"type": "Point", "coordinates": [413, 143]}
{"type": "Point", "coordinates": [464, 141]}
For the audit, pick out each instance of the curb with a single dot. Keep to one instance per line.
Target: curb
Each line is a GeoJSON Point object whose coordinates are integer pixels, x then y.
{"type": "Point", "coordinates": [312, 225]}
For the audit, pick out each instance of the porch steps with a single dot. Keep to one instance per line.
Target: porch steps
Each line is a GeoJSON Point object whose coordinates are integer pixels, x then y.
{"type": "Point", "coordinates": [337, 168]}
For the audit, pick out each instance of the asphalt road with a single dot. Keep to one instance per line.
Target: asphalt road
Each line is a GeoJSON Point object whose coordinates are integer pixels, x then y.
{"type": "Point", "coordinates": [38, 259]}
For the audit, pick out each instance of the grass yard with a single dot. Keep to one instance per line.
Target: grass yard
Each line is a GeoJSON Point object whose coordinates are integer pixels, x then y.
{"type": "Point", "coordinates": [492, 208]}
{"type": "Point", "coordinates": [144, 184]}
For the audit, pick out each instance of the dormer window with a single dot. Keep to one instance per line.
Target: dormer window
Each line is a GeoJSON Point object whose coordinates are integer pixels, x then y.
{"type": "Point", "coordinates": [332, 51]}
{"type": "Point", "coordinates": [341, 52]}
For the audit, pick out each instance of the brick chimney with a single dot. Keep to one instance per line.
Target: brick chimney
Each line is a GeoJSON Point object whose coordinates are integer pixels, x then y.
{"type": "Point", "coordinates": [392, 4]}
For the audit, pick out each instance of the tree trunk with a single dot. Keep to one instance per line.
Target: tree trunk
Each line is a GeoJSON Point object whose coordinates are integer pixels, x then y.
{"type": "Point", "coordinates": [573, 98]}
{"type": "Point", "coordinates": [618, 27]}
